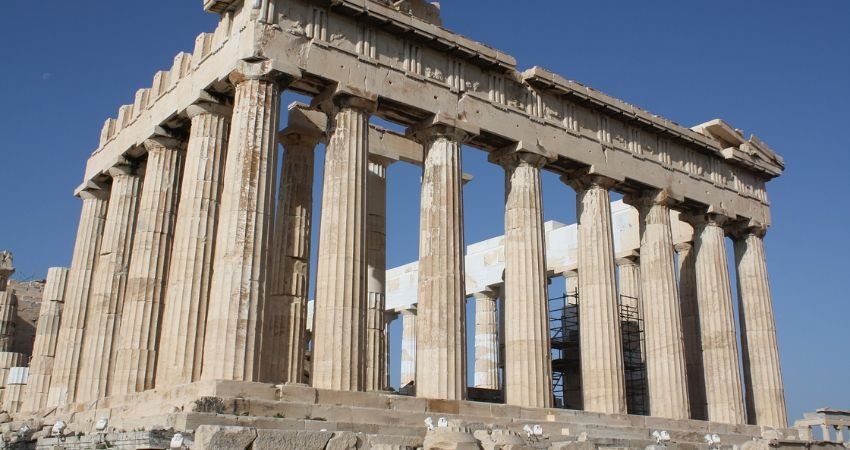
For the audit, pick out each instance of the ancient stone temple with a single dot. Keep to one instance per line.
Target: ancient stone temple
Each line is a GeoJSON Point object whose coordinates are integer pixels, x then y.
{"type": "Point", "coordinates": [182, 320]}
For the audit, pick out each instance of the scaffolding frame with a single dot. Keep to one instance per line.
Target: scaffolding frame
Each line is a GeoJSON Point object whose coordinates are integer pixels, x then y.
{"type": "Point", "coordinates": [564, 329]}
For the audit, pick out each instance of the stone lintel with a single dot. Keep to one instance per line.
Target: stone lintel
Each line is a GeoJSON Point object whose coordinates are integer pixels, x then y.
{"type": "Point", "coordinates": [435, 36]}
{"type": "Point", "coordinates": [710, 137]}
{"type": "Point", "coordinates": [383, 143]}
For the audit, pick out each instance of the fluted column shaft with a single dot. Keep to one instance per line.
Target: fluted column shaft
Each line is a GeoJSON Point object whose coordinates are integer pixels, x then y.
{"type": "Point", "coordinates": [440, 331]}
{"type": "Point", "coordinates": [285, 326]}
{"type": "Point", "coordinates": [237, 290]}
{"type": "Point", "coordinates": [762, 372]}
{"type": "Point", "coordinates": [376, 275]}
{"type": "Point", "coordinates": [339, 335]}
{"type": "Point", "coordinates": [571, 286]}
{"type": "Point", "coordinates": [486, 340]}
{"type": "Point", "coordinates": [528, 366]}
{"type": "Point", "coordinates": [600, 337]}
{"type": "Point", "coordinates": [63, 383]}
{"type": "Point", "coordinates": [629, 271]}
{"type": "Point", "coordinates": [690, 330]}
{"type": "Point", "coordinates": [717, 323]}
{"type": "Point", "coordinates": [109, 285]}
{"type": "Point", "coordinates": [46, 336]}
{"type": "Point", "coordinates": [665, 348]}
{"type": "Point", "coordinates": [8, 313]}
{"type": "Point", "coordinates": [179, 360]}
{"type": "Point", "coordinates": [408, 347]}
{"type": "Point", "coordinates": [141, 317]}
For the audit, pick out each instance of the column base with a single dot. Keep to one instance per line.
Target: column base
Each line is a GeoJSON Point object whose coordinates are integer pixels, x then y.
{"type": "Point", "coordinates": [260, 407]}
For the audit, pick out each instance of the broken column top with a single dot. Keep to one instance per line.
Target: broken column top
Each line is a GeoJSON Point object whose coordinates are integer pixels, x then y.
{"type": "Point", "coordinates": [7, 268]}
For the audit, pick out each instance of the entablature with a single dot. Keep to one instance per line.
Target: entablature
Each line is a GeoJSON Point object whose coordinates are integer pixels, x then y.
{"type": "Point", "coordinates": [429, 34]}
{"type": "Point", "coordinates": [417, 70]}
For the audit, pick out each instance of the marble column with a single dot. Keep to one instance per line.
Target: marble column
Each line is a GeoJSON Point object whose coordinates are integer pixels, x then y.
{"type": "Point", "coordinates": [571, 286]}
{"type": "Point", "coordinates": [629, 277]}
{"type": "Point", "coordinates": [141, 317]}
{"type": "Point", "coordinates": [46, 335]}
{"type": "Point", "coordinates": [285, 339]}
{"type": "Point", "coordinates": [690, 330]}
{"type": "Point", "coordinates": [600, 338]}
{"type": "Point", "coordinates": [762, 372]}
{"type": "Point", "coordinates": [826, 432]}
{"type": "Point", "coordinates": [665, 348]}
{"type": "Point", "coordinates": [339, 334]}
{"type": "Point", "coordinates": [8, 315]}
{"type": "Point", "coordinates": [717, 322]}
{"type": "Point", "coordinates": [109, 285]}
{"type": "Point", "coordinates": [179, 359]}
{"type": "Point", "coordinates": [63, 384]}
{"type": "Point", "coordinates": [408, 347]}
{"type": "Point", "coordinates": [246, 218]}
{"type": "Point", "coordinates": [528, 366]}
{"type": "Point", "coordinates": [440, 331]}
{"type": "Point", "coordinates": [486, 340]}
{"type": "Point", "coordinates": [376, 274]}
{"type": "Point", "coordinates": [389, 318]}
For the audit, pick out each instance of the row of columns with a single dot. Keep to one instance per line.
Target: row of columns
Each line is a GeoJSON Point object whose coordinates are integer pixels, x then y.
{"type": "Point", "coordinates": [204, 273]}
{"type": "Point", "coordinates": [670, 366]}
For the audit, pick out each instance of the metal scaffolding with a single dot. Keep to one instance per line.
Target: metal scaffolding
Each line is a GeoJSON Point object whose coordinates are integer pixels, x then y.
{"type": "Point", "coordinates": [564, 325]}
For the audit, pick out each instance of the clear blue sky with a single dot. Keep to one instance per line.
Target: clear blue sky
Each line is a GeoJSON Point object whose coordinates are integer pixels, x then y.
{"type": "Point", "coordinates": [778, 69]}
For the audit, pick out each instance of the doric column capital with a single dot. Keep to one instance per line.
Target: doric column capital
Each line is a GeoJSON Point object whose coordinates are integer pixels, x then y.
{"type": "Point", "coordinates": [339, 97]}
{"type": "Point", "coordinates": [443, 125]}
{"type": "Point", "coordinates": [262, 70]}
{"type": "Point", "coordinates": [741, 230]}
{"type": "Point", "coordinates": [349, 100]}
{"type": "Point", "coordinates": [291, 137]}
{"type": "Point", "coordinates": [649, 198]}
{"type": "Point", "coordinates": [570, 274]}
{"type": "Point", "coordinates": [93, 193]}
{"type": "Point", "coordinates": [519, 154]}
{"type": "Point", "coordinates": [209, 106]}
{"type": "Point", "coordinates": [683, 247]}
{"type": "Point", "coordinates": [159, 142]}
{"type": "Point", "coordinates": [582, 180]}
{"type": "Point", "coordinates": [628, 260]}
{"type": "Point", "coordinates": [702, 218]}
{"type": "Point", "coordinates": [124, 167]}
{"type": "Point", "coordinates": [486, 295]}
